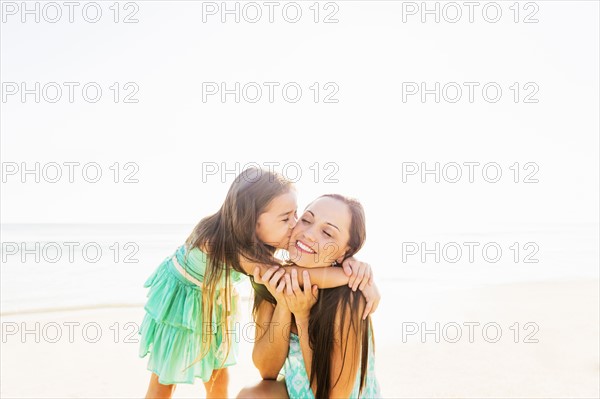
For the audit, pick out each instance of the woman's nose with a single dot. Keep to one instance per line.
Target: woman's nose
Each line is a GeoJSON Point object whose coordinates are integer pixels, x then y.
{"type": "Point", "coordinates": [309, 235]}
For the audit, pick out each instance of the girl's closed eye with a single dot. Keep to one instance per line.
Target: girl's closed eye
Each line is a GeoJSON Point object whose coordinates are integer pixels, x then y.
{"type": "Point", "coordinates": [326, 233]}
{"type": "Point", "coordinates": [305, 221]}
{"type": "Point", "coordinates": [288, 218]}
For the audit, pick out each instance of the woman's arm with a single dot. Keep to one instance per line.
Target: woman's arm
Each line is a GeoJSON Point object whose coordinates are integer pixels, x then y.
{"type": "Point", "coordinates": [271, 342]}
{"type": "Point", "coordinates": [300, 302]}
{"type": "Point", "coordinates": [307, 353]}
{"type": "Point", "coordinates": [270, 347]}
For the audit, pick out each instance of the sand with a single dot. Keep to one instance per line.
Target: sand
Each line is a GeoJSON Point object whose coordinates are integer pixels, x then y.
{"type": "Point", "coordinates": [564, 363]}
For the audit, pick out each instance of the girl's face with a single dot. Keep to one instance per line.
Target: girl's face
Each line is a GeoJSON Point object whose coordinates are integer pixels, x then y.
{"type": "Point", "coordinates": [275, 225]}
{"type": "Point", "coordinates": [322, 234]}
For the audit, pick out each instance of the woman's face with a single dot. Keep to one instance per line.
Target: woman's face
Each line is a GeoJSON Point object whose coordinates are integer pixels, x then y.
{"type": "Point", "coordinates": [275, 225]}
{"type": "Point", "coordinates": [322, 234]}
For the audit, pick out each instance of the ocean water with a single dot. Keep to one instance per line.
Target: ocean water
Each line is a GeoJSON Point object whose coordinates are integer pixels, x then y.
{"type": "Point", "coordinates": [47, 267]}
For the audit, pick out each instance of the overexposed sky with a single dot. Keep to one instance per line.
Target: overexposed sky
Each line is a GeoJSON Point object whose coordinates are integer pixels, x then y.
{"type": "Point", "coordinates": [364, 138]}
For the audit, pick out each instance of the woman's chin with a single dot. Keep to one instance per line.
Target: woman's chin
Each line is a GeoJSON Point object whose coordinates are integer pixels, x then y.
{"type": "Point", "coordinates": [297, 257]}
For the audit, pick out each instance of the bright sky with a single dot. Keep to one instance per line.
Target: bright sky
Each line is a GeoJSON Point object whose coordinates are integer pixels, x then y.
{"type": "Point", "coordinates": [364, 140]}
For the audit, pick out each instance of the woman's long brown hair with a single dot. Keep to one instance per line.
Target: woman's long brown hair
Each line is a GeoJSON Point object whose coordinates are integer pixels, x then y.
{"type": "Point", "coordinates": [321, 328]}
{"type": "Point", "coordinates": [229, 235]}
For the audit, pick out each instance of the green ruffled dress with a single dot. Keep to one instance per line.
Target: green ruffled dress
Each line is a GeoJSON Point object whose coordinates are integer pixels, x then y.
{"type": "Point", "coordinates": [172, 329]}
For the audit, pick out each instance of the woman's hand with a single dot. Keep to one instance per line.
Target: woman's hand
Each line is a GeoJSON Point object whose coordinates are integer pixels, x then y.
{"type": "Point", "coordinates": [274, 281]}
{"type": "Point", "coordinates": [372, 295]}
{"type": "Point", "coordinates": [299, 302]}
{"type": "Point", "coordinates": [360, 273]}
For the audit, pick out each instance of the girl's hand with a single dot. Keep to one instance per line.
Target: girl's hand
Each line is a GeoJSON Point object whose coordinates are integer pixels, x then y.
{"type": "Point", "coordinates": [360, 273]}
{"type": "Point", "coordinates": [272, 279]}
{"type": "Point", "coordinates": [371, 294]}
{"type": "Point", "coordinates": [299, 302]}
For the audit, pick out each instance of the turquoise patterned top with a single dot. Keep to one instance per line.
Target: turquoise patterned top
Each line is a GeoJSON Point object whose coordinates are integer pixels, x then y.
{"type": "Point", "coordinates": [297, 382]}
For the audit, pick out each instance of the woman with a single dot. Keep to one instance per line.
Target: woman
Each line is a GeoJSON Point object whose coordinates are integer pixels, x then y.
{"type": "Point", "coordinates": [191, 300]}
{"type": "Point", "coordinates": [330, 351]}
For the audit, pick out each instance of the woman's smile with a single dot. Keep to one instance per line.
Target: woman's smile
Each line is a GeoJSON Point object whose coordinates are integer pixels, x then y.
{"type": "Point", "coordinates": [302, 247]}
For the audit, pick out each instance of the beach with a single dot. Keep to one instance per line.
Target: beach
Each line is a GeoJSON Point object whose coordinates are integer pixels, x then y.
{"type": "Point", "coordinates": [467, 131]}
{"type": "Point", "coordinates": [100, 357]}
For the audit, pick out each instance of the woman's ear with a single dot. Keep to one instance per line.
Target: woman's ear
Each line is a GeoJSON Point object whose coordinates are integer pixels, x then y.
{"type": "Point", "coordinates": [342, 257]}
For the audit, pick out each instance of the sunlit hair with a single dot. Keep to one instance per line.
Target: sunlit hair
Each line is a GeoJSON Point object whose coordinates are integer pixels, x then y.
{"type": "Point", "coordinates": [230, 235]}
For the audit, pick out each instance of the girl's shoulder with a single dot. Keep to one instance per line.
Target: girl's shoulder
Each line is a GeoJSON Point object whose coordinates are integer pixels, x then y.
{"type": "Point", "coordinates": [199, 257]}
{"type": "Point", "coordinates": [193, 255]}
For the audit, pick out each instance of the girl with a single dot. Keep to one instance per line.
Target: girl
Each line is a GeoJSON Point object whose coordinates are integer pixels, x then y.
{"type": "Point", "coordinates": [191, 301]}
{"type": "Point", "coordinates": [330, 352]}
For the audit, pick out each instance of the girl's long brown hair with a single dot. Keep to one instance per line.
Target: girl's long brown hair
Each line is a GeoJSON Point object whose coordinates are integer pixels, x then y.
{"type": "Point", "coordinates": [230, 234]}
{"type": "Point", "coordinates": [321, 328]}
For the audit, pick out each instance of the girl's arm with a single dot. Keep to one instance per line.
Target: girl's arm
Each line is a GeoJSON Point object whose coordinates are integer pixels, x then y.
{"type": "Point", "coordinates": [249, 267]}
{"type": "Point", "coordinates": [353, 271]}
{"type": "Point", "coordinates": [270, 347]}
{"type": "Point", "coordinates": [330, 277]}
{"type": "Point", "coordinates": [322, 277]}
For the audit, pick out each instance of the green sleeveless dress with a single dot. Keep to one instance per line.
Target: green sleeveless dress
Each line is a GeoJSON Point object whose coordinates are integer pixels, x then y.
{"type": "Point", "coordinates": [296, 377]}
{"type": "Point", "coordinates": [172, 329]}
